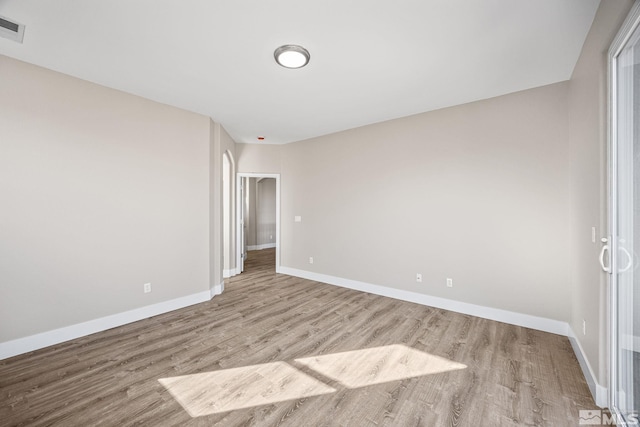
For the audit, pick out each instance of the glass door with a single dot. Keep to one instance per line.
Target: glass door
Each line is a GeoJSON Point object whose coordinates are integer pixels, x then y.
{"type": "Point", "coordinates": [624, 241]}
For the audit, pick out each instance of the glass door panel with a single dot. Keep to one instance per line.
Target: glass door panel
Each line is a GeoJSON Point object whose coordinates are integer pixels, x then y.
{"type": "Point", "coordinates": [625, 360]}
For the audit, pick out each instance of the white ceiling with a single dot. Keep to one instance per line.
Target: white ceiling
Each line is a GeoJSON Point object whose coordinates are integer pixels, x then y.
{"type": "Point", "coordinates": [370, 60]}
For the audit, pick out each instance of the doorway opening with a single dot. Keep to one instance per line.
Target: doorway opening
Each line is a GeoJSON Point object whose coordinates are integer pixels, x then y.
{"type": "Point", "coordinates": [258, 220]}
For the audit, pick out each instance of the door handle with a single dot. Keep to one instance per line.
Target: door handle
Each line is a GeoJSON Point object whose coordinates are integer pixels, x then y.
{"type": "Point", "coordinates": [604, 249]}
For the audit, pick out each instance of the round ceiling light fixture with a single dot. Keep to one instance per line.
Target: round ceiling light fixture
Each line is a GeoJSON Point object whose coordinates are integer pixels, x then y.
{"type": "Point", "coordinates": [292, 56]}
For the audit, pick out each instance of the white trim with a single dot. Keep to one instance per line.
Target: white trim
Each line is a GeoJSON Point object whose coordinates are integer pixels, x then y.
{"type": "Point", "coordinates": [624, 33]}
{"type": "Point", "coordinates": [511, 317]}
{"type": "Point", "coordinates": [261, 247]}
{"type": "Point", "coordinates": [217, 289]}
{"type": "Point", "coordinates": [56, 336]}
{"type": "Point", "coordinates": [229, 273]}
{"type": "Point", "coordinates": [598, 392]}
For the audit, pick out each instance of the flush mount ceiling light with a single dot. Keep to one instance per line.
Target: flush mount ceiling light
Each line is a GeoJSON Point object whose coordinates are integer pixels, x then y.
{"type": "Point", "coordinates": [292, 56]}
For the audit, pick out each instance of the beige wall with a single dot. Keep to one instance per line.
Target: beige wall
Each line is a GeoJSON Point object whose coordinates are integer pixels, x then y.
{"type": "Point", "coordinates": [250, 217]}
{"type": "Point", "coordinates": [101, 192]}
{"type": "Point", "coordinates": [260, 214]}
{"type": "Point", "coordinates": [216, 254]}
{"type": "Point", "coordinates": [500, 195]}
{"type": "Point", "coordinates": [104, 191]}
{"type": "Point", "coordinates": [228, 180]}
{"type": "Point", "coordinates": [228, 146]}
{"type": "Point", "coordinates": [255, 158]}
{"type": "Point", "coordinates": [477, 192]}
{"type": "Point", "coordinates": [588, 132]}
{"type": "Point", "coordinates": [266, 211]}
{"type": "Point", "coordinates": [220, 142]}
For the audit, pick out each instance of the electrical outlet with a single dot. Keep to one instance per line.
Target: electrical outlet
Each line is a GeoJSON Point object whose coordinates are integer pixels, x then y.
{"type": "Point", "coordinates": [418, 277]}
{"type": "Point", "coordinates": [449, 283]}
{"type": "Point", "coordinates": [310, 260]}
{"type": "Point", "coordinates": [147, 288]}
{"type": "Point", "coordinates": [584, 327]}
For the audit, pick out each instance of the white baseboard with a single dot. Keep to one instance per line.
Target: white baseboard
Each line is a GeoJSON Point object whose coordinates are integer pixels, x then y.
{"type": "Point", "coordinates": [599, 392]}
{"type": "Point", "coordinates": [56, 336]}
{"type": "Point", "coordinates": [513, 318]}
{"type": "Point", "coordinates": [226, 274]}
{"type": "Point", "coordinates": [217, 289]}
{"type": "Point", "coordinates": [45, 339]}
{"type": "Point", "coordinates": [261, 247]}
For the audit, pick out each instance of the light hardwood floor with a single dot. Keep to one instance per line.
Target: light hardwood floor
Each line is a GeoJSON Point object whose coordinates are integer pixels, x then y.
{"type": "Point", "coordinates": [278, 350]}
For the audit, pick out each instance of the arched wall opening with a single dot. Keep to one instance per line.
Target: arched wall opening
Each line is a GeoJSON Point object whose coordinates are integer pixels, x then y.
{"type": "Point", "coordinates": [230, 267]}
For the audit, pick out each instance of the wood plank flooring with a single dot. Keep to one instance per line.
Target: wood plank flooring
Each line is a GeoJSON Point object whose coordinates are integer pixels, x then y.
{"type": "Point", "coordinates": [304, 354]}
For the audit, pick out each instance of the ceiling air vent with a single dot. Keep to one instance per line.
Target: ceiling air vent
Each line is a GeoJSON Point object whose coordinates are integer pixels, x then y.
{"type": "Point", "coordinates": [11, 30]}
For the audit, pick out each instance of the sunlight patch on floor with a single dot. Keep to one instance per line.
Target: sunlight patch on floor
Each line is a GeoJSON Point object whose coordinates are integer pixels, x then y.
{"type": "Point", "coordinates": [229, 389]}
{"type": "Point", "coordinates": [221, 391]}
{"type": "Point", "coordinates": [360, 368]}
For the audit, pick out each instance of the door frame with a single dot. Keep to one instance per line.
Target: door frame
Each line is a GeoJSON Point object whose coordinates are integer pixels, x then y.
{"type": "Point", "coordinates": [631, 23]}
{"type": "Point", "coordinates": [240, 222]}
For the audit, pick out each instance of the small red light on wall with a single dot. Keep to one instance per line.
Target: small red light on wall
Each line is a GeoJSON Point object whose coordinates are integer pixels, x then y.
{"type": "Point", "coordinates": [261, 138]}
